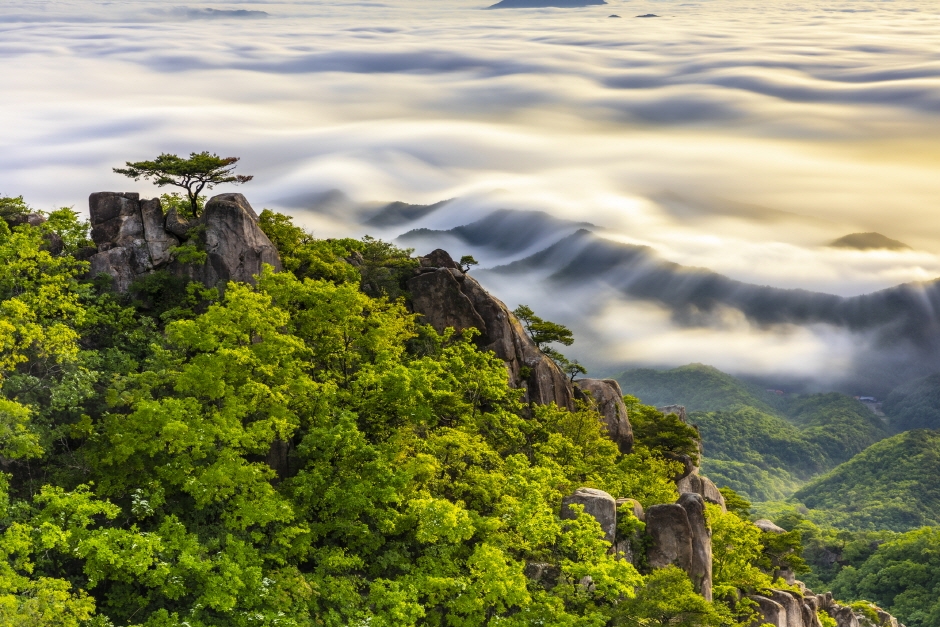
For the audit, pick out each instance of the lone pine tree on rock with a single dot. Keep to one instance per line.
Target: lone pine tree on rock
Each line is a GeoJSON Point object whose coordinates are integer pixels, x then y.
{"type": "Point", "coordinates": [202, 170]}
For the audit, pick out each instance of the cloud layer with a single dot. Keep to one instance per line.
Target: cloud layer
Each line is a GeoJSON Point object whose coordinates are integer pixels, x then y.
{"type": "Point", "coordinates": [738, 135]}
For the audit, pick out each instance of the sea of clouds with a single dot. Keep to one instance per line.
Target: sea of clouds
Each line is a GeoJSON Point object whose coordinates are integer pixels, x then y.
{"type": "Point", "coordinates": [735, 135]}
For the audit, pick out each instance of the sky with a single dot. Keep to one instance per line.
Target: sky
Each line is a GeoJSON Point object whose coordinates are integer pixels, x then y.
{"type": "Point", "coordinates": [736, 135]}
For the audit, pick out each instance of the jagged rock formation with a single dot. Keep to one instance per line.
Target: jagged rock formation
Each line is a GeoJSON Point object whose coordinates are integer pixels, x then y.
{"type": "Point", "coordinates": [606, 397]}
{"type": "Point", "coordinates": [786, 608]}
{"type": "Point", "coordinates": [447, 297]}
{"type": "Point", "coordinates": [700, 570]}
{"type": "Point", "coordinates": [678, 532]}
{"type": "Point", "coordinates": [671, 535]}
{"type": "Point", "coordinates": [768, 525]}
{"type": "Point", "coordinates": [695, 483]}
{"type": "Point", "coordinates": [689, 480]}
{"type": "Point", "coordinates": [134, 238]}
{"type": "Point", "coordinates": [598, 504]}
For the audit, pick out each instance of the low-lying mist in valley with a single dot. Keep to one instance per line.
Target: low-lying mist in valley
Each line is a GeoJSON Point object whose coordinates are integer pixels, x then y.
{"type": "Point", "coordinates": [712, 154]}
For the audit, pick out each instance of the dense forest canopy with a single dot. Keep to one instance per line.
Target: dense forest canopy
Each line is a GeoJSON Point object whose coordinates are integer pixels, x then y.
{"type": "Point", "coordinates": [302, 450]}
{"type": "Point", "coordinates": [299, 451]}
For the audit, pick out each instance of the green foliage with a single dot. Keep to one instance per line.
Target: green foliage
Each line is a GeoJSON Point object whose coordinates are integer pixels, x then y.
{"type": "Point", "coordinates": [736, 504]}
{"type": "Point", "coordinates": [543, 332]}
{"type": "Point", "coordinates": [306, 256]}
{"type": "Point", "coordinates": [200, 171]}
{"type": "Point", "coordinates": [825, 620]}
{"type": "Point", "coordinates": [736, 554]}
{"type": "Point", "coordinates": [665, 433]}
{"type": "Point", "coordinates": [466, 262]}
{"type": "Point", "coordinates": [667, 600]}
{"type": "Point", "coordinates": [181, 204]}
{"type": "Point", "coordinates": [841, 426]}
{"type": "Point", "coordinates": [914, 405]}
{"type": "Point", "coordinates": [299, 452]}
{"type": "Point", "coordinates": [12, 206]}
{"type": "Point", "coordinates": [888, 486]}
{"type": "Point", "coordinates": [782, 551]}
{"type": "Point", "coordinates": [190, 252]}
{"type": "Point", "coordinates": [302, 452]}
{"type": "Point", "coordinates": [70, 228]}
{"type": "Point", "coordinates": [696, 386]}
{"type": "Point", "coordinates": [902, 576]}
{"type": "Point", "coordinates": [384, 267]}
{"type": "Point", "coordinates": [759, 443]}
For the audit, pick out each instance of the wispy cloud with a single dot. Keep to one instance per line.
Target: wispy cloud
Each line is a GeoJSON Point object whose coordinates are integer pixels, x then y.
{"type": "Point", "coordinates": [779, 126]}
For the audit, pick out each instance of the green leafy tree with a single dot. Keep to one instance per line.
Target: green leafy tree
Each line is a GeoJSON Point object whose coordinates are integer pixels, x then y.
{"type": "Point", "coordinates": [466, 262]}
{"type": "Point", "coordinates": [542, 332]}
{"type": "Point", "coordinates": [201, 170]}
{"type": "Point", "coordinates": [667, 600]}
{"type": "Point", "coordinates": [665, 433]}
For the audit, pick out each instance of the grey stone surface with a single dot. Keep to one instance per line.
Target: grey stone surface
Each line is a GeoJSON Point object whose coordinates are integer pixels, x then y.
{"type": "Point", "coordinates": [703, 486]}
{"type": "Point", "coordinates": [598, 504]}
{"type": "Point", "coordinates": [770, 612]}
{"type": "Point", "coordinates": [236, 246]}
{"type": "Point", "coordinates": [671, 536]}
{"type": "Point", "coordinates": [159, 241]}
{"type": "Point", "coordinates": [769, 526]}
{"type": "Point", "coordinates": [607, 398]}
{"type": "Point", "coordinates": [701, 567]}
{"type": "Point", "coordinates": [446, 298]}
{"type": "Point", "coordinates": [793, 607]}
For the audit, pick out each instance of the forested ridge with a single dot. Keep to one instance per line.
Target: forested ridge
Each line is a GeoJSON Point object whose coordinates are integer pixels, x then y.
{"type": "Point", "coordinates": [301, 450]}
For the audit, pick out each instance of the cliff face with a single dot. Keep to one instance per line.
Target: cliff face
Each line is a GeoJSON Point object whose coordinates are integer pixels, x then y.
{"type": "Point", "coordinates": [135, 238]}
{"type": "Point", "coordinates": [446, 297]}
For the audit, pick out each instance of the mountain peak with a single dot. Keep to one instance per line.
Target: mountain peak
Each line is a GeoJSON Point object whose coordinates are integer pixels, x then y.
{"type": "Point", "coordinates": [868, 241]}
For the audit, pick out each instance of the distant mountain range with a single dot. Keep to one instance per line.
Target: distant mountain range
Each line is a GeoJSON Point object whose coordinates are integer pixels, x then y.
{"type": "Point", "coordinates": [894, 333]}
{"type": "Point", "coordinates": [537, 4]}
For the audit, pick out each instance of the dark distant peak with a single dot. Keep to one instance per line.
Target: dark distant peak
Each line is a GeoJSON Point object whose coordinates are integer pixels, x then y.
{"type": "Point", "coordinates": [613, 16]}
{"type": "Point", "coordinates": [868, 241]}
{"type": "Point", "coordinates": [542, 4]}
{"type": "Point", "coordinates": [578, 255]}
{"type": "Point", "coordinates": [504, 230]}
{"type": "Point", "coordinates": [397, 213]}
{"type": "Point", "coordinates": [208, 14]}
{"type": "Point", "coordinates": [648, 15]}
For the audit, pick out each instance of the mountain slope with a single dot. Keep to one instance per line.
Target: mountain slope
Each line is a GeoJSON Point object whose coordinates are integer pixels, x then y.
{"type": "Point", "coordinates": [756, 453]}
{"type": "Point", "coordinates": [503, 231]}
{"type": "Point", "coordinates": [757, 442]}
{"type": "Point", "coordinates": [891, 485]}
{"type": "Point", "coordinates": [914, 405]}
{"type": "Point", "coordinates": [840, 425]}
{"type": "Point", "coordinates": [696, 386]}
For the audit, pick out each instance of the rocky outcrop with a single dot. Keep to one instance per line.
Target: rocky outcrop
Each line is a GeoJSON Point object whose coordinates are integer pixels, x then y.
{"type": "Point", "coordinates": [671, 536]}
{"type": "Point", "coordinates": [446, 297]}
{"type": "Point", "coordinates": [134, 238]}
{"type": "Point", "coordinates": [606, 397]}
{"type": "Point", "coordinates": [770, 612]}
{"type": "Point", "coordinates": [768, 526]}
{"type": "Point", "coordinates": [786, 608]}
{"type": "Point", "coordinates": [598, 504]}
{"type": "Point", "coordinates": [695, 483]}
{"type": "Point", "coordinates": [700, 570]}
{"type": "Point", "coordinates": [235, 244]}
{"type": "Point", "coordinates": [792, 604]}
